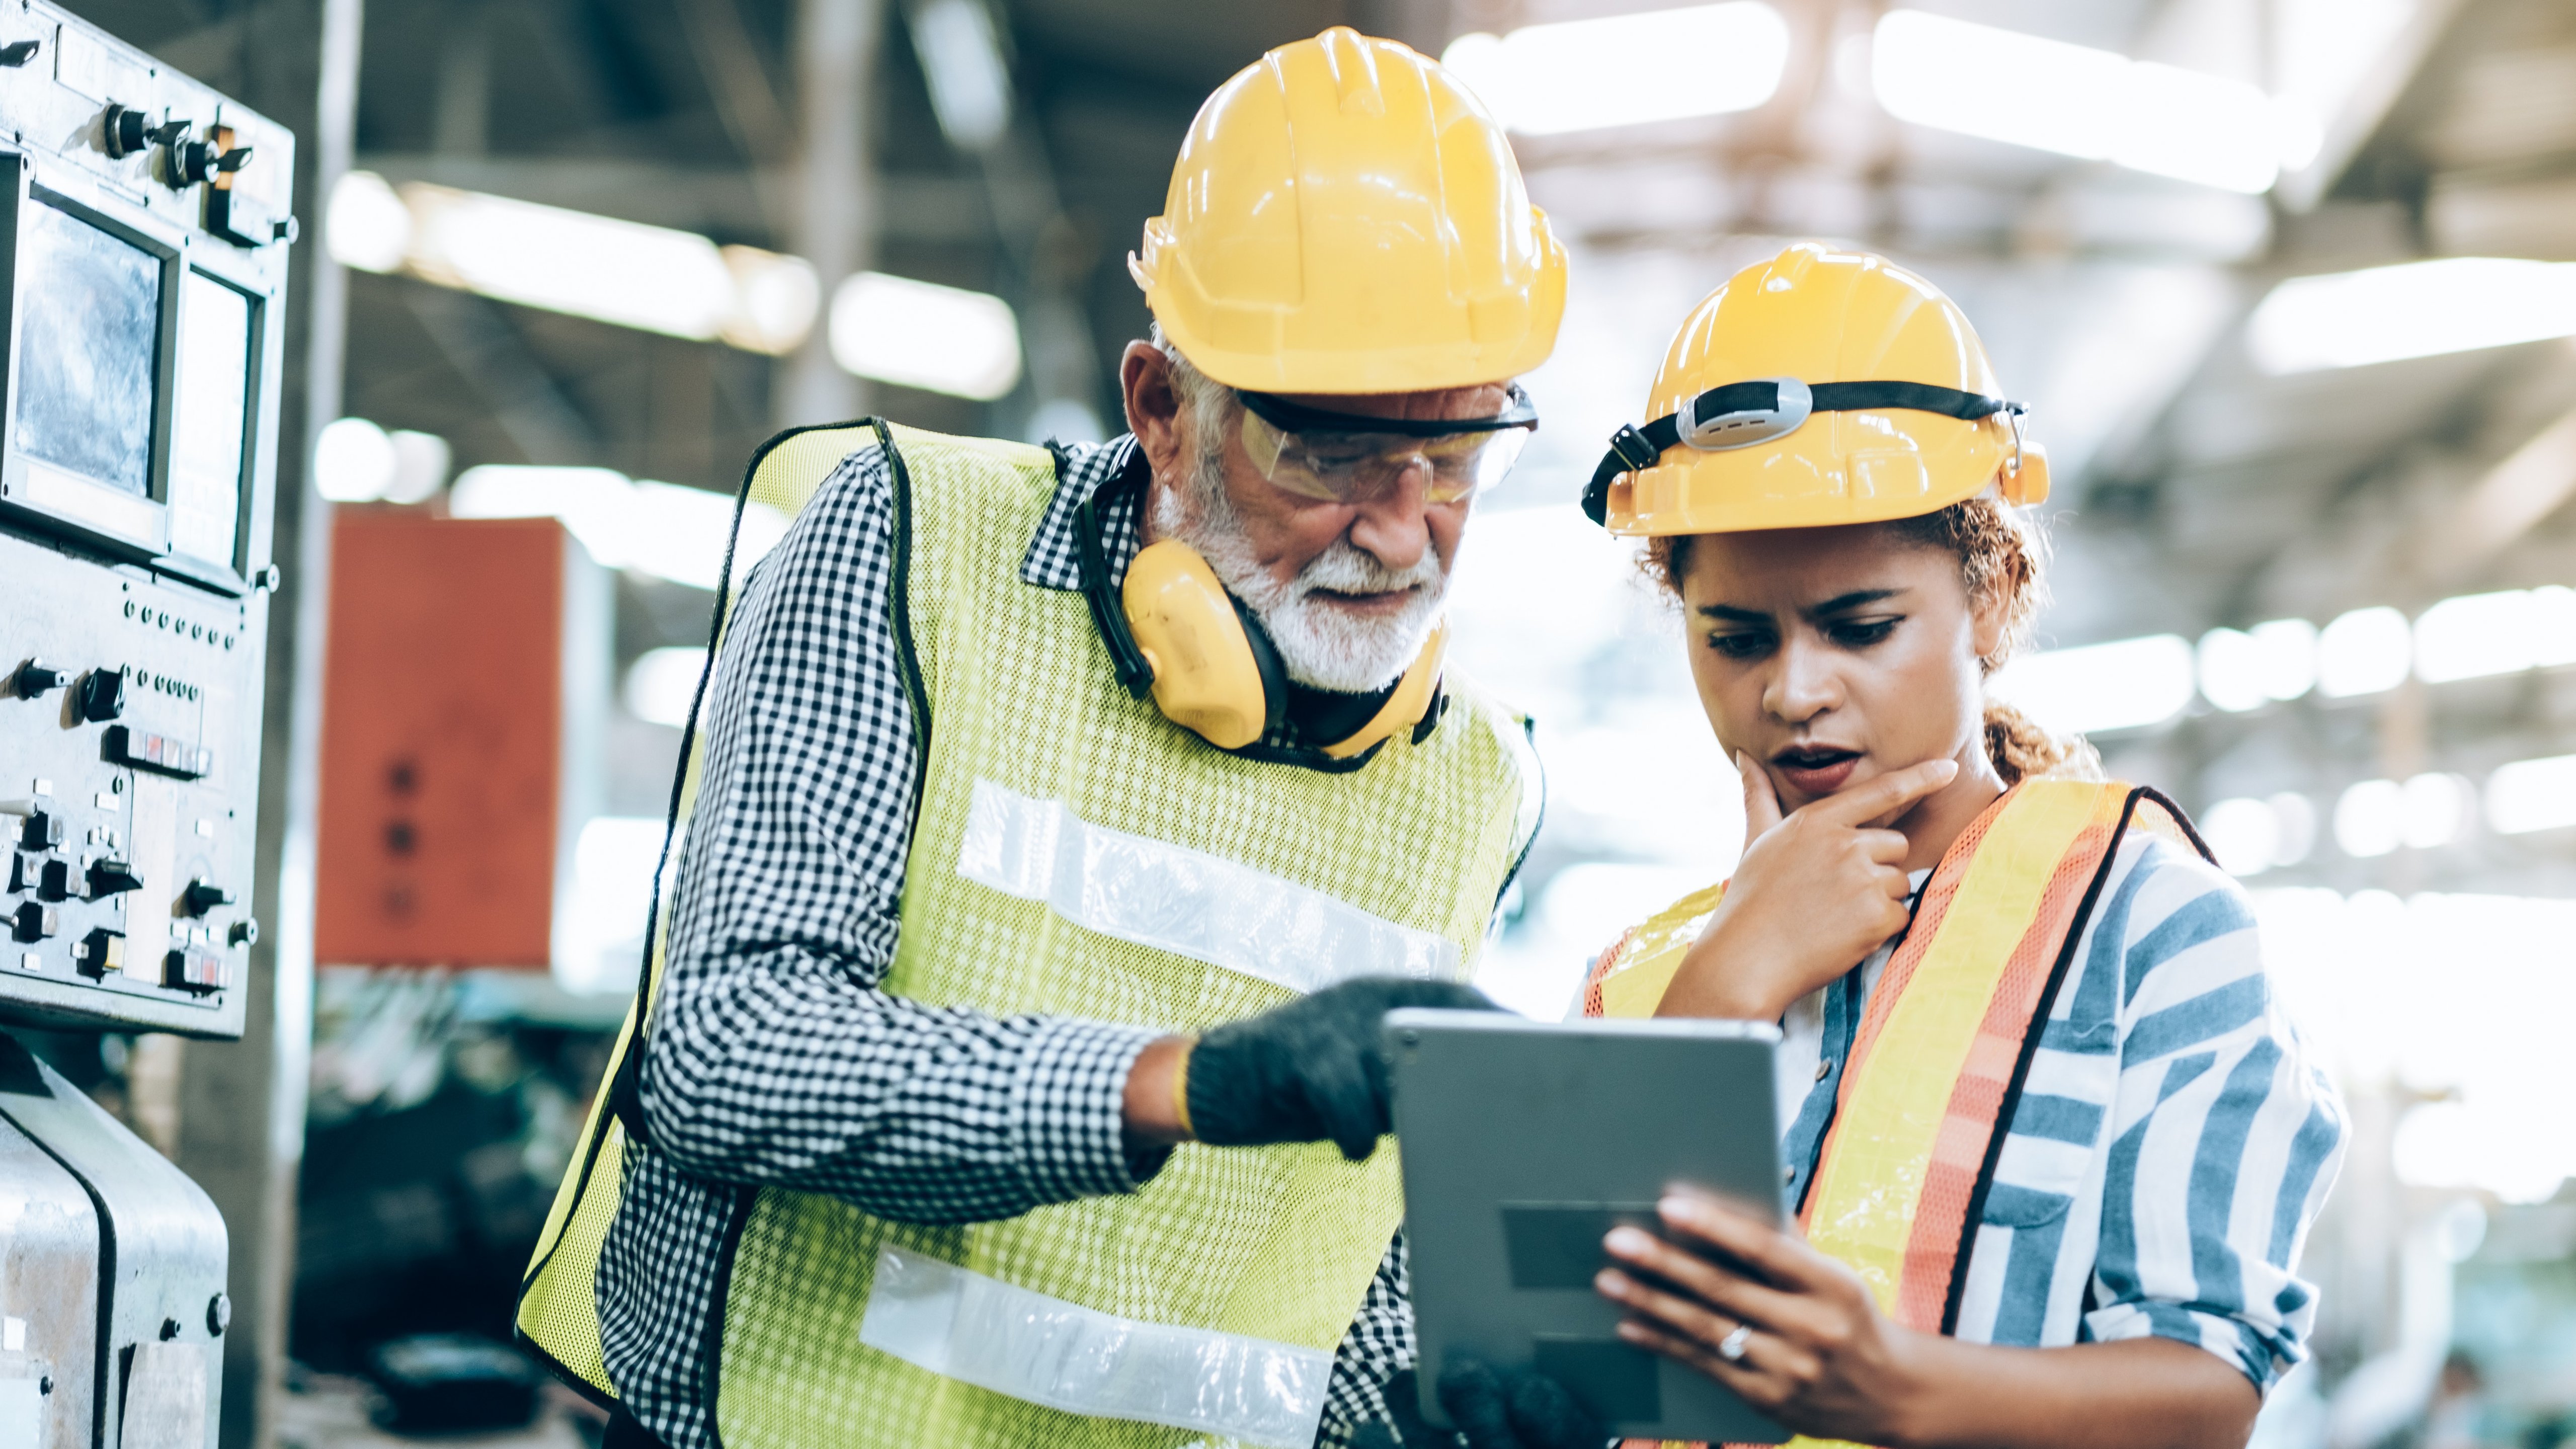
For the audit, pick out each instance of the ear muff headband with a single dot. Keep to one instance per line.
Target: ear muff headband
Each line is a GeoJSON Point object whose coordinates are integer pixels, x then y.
{"type": "Point", "coordinates": [1741, 414]}
{"type": "Point", "coordinates": [1225, 680]}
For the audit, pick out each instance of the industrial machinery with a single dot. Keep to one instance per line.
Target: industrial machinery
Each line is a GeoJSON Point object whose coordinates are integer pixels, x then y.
{"type": "Point", "coordinates": [143, 237]}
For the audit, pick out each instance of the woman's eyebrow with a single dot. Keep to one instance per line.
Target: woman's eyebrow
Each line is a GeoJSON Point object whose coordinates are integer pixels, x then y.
{"type": "Point", "coordinates": [1729, 614]}
{"type": "Point", "coordinates": [1857, 598]}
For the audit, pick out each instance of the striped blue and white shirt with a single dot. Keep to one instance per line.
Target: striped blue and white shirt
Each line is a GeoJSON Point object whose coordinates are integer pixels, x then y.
{"type": "Point", "coordinates": [2171, 1146]}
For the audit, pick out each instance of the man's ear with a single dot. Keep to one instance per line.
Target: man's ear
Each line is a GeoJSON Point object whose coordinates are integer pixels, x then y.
{"type": "Point", "coordinates": [1153, 405]}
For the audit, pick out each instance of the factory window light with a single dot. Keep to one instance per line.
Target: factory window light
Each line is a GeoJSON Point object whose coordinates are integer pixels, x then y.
{"type": "Point", "coordinates": [2412, 309]}
{"type": "Point", "coordinates": [660, 529]}
{"type": "Point", "coordinates": [2120, 685]}
{"type": "Point", "coordinates": [661, 683]}
{"type": "Point", "coordinates": [2530, 795]}
{"type": "Point", "coordinates": [970, 91]}
{"type": "Point", "coordinates": [2242, 670]}
{"type": "Point", "coordinates": [2475, 634]}
{"type": "Point", "coordinates": [1626, 70]}
{"type": "Point", "coordinates": [651, 278]}
{"type": "Point", "coordinates": [2077, 101]}
{"type": "Point", "coordinates": [921, 334]}
{"type": "Point", "coordinates": [2363, 652]}
{"type": "Point", "coordinates": [2370, 818]}
{"type": "Point", "coordinates": [354, 461]}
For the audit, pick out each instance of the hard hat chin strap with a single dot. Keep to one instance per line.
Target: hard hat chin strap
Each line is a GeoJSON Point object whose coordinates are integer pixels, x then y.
{"type": "Point", "coordinates": [1741, 414]}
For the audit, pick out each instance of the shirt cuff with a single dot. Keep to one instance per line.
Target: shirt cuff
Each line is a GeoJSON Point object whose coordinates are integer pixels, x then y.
{"type": "Point", "coordinates": [1070, 1102]}
{"type": "Point", "coordinates": [2261, 1357]}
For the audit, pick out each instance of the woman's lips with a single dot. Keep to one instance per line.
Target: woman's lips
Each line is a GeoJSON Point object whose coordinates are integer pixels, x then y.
{"type": "Point", "coordinates": [1815, 773]}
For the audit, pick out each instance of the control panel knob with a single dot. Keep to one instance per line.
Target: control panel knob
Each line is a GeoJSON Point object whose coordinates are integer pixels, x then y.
{"type": "Point", "coordinates": [101, 951]}
{"type": "Point", "coordinates": [125, 130]}
{"type": "Point", "coordinates": [102, 695]}
{"type": "Point", "coordinates": [204, 896]}
{"type": "Point", "coordinates": [32, 922]}
{"type": "Point", "coordinates": [35, 679]}
{"type": "Point", "coordinates": [246, 932]}
{"type": "Point", "coordinates": [111, 877]}
{"type": "Point", "coordinates": [41, 830]}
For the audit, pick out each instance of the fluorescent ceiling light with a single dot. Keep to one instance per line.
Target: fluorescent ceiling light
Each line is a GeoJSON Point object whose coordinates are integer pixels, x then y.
{"type": "Point", "coordinates": [420, 466]}
{"type": "Point", "coordinates": [651, 278]}
{"type": "Point", "coordinates": [2246, 670]}
{"type": "Point", "coordinates": [662, 683]}
{"type": "Point", "coordinates": [2530, 795]}
{"type": "Point", "coordinates": [2413, 309]}
{"type": "Point", "coordinates": [921, 334]}
{"type": "Point", "coordinates": [2074, 100]}
{"type": "Point", "coordinates": [2499, 633]}
{"type": "Point", "coordinates": [2363, 652]}
{"type": "Point", "coordinates": [661, 529]}
{"type": "Point", "coordinates": [2244, 834]}
{"type": "Point", "coordinates": [1625, 70]}
{"type": "Point", "coordinates": [970, 91]}
{"type": "Point", "coordinates": [2370, 818]}
{"type": "Point", "coordinates": [2120, 685]}
{"type": "Point", "coordinates": [2436, 810]}
{"type": "Point", "coordinates": [353, 461]}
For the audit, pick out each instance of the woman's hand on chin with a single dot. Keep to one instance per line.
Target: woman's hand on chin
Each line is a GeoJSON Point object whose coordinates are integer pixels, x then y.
{"type": "Point", "coordinates": [1815, 893]}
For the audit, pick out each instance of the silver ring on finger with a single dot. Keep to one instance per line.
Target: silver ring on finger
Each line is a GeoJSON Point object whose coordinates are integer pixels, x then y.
{"type": "Point", "coordinates": [1731, 1347]}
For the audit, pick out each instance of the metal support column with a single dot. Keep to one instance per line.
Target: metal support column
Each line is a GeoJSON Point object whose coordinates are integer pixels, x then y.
{"type": "Point", "coordinates": [835, 206]}
{"type": "Point", "coordinates": [241, 1129]}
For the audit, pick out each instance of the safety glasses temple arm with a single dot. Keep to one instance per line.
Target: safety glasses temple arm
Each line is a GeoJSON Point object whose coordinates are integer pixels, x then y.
{"type": "Point", "coordinates": [1296, 417]}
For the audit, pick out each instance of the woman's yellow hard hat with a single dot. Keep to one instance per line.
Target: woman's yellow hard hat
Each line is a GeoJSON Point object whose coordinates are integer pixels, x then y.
{"type": "Point", "coordinates": [1817, 388]}
{"type": "Point", "coordinates": [1345, 217]}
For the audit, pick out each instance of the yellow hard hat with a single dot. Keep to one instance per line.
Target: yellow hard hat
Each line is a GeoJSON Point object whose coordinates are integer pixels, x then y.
{"type": "Point", "coordinates": [1346, 218]}
{"type": "Point", "coordinates": [1819, 387]}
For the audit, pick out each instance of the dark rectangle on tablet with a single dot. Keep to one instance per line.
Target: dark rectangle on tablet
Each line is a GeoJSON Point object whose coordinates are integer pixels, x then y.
{"type": "Point", "coordinates": [1558, 1244]}
{"type": "Point", "coordinates": [1614, 1379]}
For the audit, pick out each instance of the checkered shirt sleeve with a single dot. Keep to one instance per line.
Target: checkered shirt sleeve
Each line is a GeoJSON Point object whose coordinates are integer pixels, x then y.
{"type": "Point", "coordinates": [775, 1058]}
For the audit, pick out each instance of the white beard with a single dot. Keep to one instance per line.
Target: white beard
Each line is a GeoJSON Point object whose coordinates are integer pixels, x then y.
{"type": "Point", "coordinates": [1321, 645]}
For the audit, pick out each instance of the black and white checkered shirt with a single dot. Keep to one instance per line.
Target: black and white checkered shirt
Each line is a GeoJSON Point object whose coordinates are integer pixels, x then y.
{"type": "Point", "coordinates": [775, 1060]}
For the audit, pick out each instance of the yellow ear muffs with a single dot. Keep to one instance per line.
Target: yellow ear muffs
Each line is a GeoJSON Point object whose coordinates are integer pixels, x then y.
{"type": "Point", "coordinates": [1405, 708]}
{"type": "Point", "coordinates": [1208, 675]}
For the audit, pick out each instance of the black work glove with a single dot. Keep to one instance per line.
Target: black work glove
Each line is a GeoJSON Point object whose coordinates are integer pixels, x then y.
{"type": "Point", "coordinates": [1310, 1071]}
{"type": "Point", "coordinates": [1493, 1409]}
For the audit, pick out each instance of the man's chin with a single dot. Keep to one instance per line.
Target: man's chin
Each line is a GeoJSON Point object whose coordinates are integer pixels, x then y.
{"type": "Point", "coordinates": [1345, 653]}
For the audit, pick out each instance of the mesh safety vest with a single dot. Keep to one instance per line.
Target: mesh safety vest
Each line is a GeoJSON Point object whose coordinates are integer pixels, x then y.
{"type": "Point", "coordinates": [1947, 1039]}
{"type": "Point", "coordinates": [1074, 853]}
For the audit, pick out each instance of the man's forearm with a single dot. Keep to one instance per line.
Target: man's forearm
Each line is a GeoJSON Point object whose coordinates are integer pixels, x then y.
{"type": "Point", "coordinates": [2146, 1393]}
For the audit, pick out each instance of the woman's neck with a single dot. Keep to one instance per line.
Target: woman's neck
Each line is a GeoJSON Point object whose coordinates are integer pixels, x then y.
{"type": "Point", "coordinates": [1937, 820]}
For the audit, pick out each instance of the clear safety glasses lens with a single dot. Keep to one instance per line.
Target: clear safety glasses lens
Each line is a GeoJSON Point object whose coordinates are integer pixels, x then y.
{"type": "Point", "coordinates": [1341, 467]}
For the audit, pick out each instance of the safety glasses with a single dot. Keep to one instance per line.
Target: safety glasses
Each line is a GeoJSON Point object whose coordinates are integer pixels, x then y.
{"type": "Point", "coordinates": [1353, 458]}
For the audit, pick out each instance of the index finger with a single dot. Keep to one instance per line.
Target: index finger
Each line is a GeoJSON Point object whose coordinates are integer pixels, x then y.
{"type": "Point", "coordinates": [1884, 796]}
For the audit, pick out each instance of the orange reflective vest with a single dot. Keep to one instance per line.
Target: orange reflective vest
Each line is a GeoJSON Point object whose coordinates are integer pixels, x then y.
{"type": "Point", "coordinates": [1948, 1036]}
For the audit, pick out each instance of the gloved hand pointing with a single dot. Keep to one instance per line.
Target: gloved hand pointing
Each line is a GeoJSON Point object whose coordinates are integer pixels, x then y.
{"type": "Point", "coordinates": [1493, 1409]}
{"type": "Point", "coordinates": [1309, 1071]}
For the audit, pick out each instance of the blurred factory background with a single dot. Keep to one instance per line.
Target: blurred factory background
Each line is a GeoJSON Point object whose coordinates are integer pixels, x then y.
{"type": "Point", "coordinates": [2288, 283]}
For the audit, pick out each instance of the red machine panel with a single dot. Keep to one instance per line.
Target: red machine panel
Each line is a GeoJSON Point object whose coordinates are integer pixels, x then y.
{"type": "Point", "coordinates": [443, 724]}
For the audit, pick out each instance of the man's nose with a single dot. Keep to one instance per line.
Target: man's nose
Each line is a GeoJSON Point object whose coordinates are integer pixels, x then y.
{"type": "Point", "coordinates": [1393, 524]}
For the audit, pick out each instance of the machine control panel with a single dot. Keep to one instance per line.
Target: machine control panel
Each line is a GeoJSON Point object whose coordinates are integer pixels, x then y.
{"type": "Point", "coordinates": [144, 229]}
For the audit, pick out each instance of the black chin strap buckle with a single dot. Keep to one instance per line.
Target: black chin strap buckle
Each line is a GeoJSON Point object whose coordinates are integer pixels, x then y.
{"type": "Point", "coordinates": [1634, 449]}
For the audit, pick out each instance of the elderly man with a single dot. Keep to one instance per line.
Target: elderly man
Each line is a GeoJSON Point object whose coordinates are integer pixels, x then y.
{"type": "Point", "coordinates": [1069, 820]}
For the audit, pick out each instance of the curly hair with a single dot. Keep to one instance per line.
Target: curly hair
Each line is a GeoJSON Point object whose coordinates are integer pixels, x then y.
{"type": "Point", "coordinates": [2000, 557]}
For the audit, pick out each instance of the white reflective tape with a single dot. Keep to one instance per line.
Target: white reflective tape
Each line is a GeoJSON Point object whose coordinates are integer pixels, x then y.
{"type": "Point", "coordinates": [982, 1331]}
{"type": "Point", "coordinates": [1185, 901]}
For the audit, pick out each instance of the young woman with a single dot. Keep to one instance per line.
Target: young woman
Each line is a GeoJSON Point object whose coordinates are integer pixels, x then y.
{"type": "Point", "coordinates": [2053, 1149]}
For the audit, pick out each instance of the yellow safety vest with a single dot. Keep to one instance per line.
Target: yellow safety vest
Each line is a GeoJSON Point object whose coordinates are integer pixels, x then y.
{"type": "Point", "coordinates": [1076, 854]}
{"type": "Point", "coordinates": [1938, 1063]}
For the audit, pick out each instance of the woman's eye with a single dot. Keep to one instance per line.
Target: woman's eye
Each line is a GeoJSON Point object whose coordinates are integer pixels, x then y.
{"type": "Point", "coordinates": [1740, 646]}
{"type": "Point", "coordinates": [1860, 633]}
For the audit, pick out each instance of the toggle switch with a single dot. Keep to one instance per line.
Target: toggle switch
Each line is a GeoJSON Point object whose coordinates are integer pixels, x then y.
{"type": "Point", "coordinates": [246, 931]}
{"type": "Point", "coordinates": [102, 695]}
{"type": "Point", "coordinates": [109, 876]}
{"type": "Point", "coordinates": [190, 969]}
{"type": "Point", "coordinates": [54, 880]}
{"type": "Point", "coordinates": [32, 922]}
{"type": "Point", "coordinates": [101, 951]}
{"type": "Point", "coordinates": [204, 896]}
{"type": "Point", "coordinates": [35, 679]}
{"type": "Point", "coordinates": [42, 829]}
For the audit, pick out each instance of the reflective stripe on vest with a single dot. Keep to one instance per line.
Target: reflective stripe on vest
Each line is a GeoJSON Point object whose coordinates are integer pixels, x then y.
{"type": "Point", "coordinates": [1946, 1037]}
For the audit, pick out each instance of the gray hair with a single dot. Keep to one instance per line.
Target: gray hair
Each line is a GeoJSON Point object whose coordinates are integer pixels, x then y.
{"type": "Point", "coordinates": [1212, 407]}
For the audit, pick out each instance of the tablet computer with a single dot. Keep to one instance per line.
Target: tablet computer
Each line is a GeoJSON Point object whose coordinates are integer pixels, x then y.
{"type": "Point", "coordinates": [1524, 1142]}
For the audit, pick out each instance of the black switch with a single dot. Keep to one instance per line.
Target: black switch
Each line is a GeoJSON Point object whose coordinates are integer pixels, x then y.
{"type": "Point", "coordinates": [125, 130]}
{"type": "Point", "coordinates": [42, 831]}
{"type": "Point", "coordinates": [23, 872]}
{"type": "Point", "coordinates": [246, 931]}
{"type": "Point", "coordinates": [54, 880]}
{"type": "Point", "coordinates": [101, 951]}
{"type": "Point", "coordinates": [102, 695]}
{"type": "Point", "coordinates": [35, 680]}
{"type": "Point", "coordinates": [18, 52]}
{"type": "Point", "coordinates": [34, 922]}
{"type": "Point", "coordinates": [111, 877]}
{"type": "Point", "coordinates": [204, 896]}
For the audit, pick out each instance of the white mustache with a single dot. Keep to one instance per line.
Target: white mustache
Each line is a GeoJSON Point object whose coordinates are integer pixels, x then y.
{"type": "Point", "coordinates": [1345, 568]}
